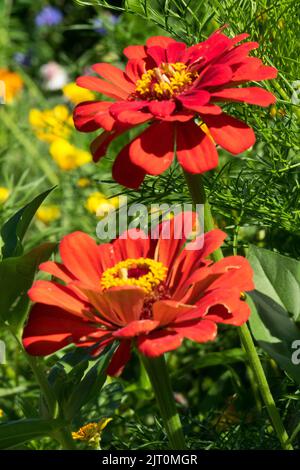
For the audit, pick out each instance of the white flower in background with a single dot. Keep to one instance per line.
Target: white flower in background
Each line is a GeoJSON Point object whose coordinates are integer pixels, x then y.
{"type": "Point", "coordinates": [54, 76]}
{"type": "Point", "coordinates": [296, 92]}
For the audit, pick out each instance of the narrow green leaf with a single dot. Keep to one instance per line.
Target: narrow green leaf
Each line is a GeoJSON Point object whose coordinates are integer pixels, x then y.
{"type": "Point", "coordinates": [89, 386]}
{"type": "Point", "coordinates": [17, 275]}
{"type": "Point", "coordinates": [13, 231]}
{"type": "Point", "coordinates": [17, 432]}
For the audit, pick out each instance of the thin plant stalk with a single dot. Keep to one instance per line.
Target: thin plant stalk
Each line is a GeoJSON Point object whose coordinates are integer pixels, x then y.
{"type": "Point", "coordinates": [159, 377]}
{"type": "Point", "coordinates": [197, 191]}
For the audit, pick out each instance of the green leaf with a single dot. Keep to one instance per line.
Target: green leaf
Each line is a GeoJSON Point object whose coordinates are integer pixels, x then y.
{"type": "Point", "coordinates": [274, 307]}
{"type": "Point", "coordinates": [90, 385]}
{"type": "Point", "coordinates": [13, 231]}
{"type": "Point", "coordinates": [275, 332]}
{"type": "Point", "coordinates": [18, 432]}
{"type": "Point", "coordinates": [278, 277]}
{"type": "Point", "coordinates": [17, 275]}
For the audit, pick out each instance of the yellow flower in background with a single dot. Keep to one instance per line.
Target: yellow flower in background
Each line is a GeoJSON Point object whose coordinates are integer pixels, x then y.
{"type": "Point", "coordinates": [1, 413]}
{"type": "Point", "coordinates": [91, 432]}
{"type": "Point", "coordinates": [83, 182]}
{"type": "Point", "coordinates": [76, 94]}
{"type": "Point", "coordinates": [51, 124]}
{"type": "Point", "coordinates": [98, 204]}
{"type": "Point", "coordinates": [4, 194]}
{"type": "Point", "coordinates": [47, 214]}
{"type": "Point", "coordinates": [13, 85]}
{"type": "Point", "coordinates": [67, 156]}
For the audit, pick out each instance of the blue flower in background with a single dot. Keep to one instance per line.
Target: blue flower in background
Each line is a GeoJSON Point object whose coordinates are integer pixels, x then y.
{"type": "Point", "coordinates": [100, 25]}
{"type": "Point", "coordinates": [22, 58]}
{"type": "Point", "coordinates": [49, 16]}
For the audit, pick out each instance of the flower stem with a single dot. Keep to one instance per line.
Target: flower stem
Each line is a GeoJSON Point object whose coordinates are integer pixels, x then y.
{"type": "Point", "coordinates": [197, 191]}
{"type": "Point", "coordinates": [62, 435]}
{"type": "Point", "coordinates": [264, 387]}
{"type": "Point", "coordinates": [159, 377]}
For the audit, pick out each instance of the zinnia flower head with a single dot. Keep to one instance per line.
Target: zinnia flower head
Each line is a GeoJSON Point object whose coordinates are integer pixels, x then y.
{"type": "Point", "coordinates": [175, 89]}
{"type": "Point", "coordinates": [150, 293]}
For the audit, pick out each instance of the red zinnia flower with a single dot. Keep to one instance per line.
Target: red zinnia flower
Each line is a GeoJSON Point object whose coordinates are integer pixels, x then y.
{"type": "Point", "coordinates": [153, 293]}
{"type": "Point", "coordinates": [176, 89]}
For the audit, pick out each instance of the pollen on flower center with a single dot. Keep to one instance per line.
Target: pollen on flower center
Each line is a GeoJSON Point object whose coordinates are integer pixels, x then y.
{"type": "Point", "coordinates": [142, 272]}
{"type": "Point", "coordinates": [164, 82]}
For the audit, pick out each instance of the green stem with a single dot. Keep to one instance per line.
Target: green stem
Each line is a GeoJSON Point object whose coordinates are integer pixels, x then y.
{"type": "Point", "coordinates": [196, 188]}
{"type": "Point", "coordinates": [63, 435]}
{"type": "Point", "coordinates": [264, 387]}
{"type": "Point", "coordinates": [159, 377]}
{"type": "Point", "coordinates": [41, 378]}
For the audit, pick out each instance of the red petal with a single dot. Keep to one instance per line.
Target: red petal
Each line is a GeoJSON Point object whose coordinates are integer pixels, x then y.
{"type": "Point", "coordinates": [135, 69]}
{"type": "Point", "coordinates": [172, 236]}
{"type": "Point", "coordinates": [104, 312]}
{"type": "Point", "coordinates": [126, 302]}
{"type": "Point", "coordinates": [194, 99]}
{"type": "Point", "coordinates": [175, 51]}
{"type": "Point", "coordinates": [58, 295]}
{"type": "Point", "coordinates": [238, 54]}
{"type": "Point", "coordinates": [157, 343]}
{"type": "Point", "coordinates": [136, 328]}
{"type": "Point", "coordinates": [130, 112]}
{"type": "Point", "coordinates": [133, 243]}
{"type": "Point", "coordinates": [161, 109]}
{"type": "Point", "coordinates": [158, 54]}
{"type": "Point", "coordinates": [119, 359]}
{"type": "Point", "coordinates": [114, 75]}
{"type": "Point", "coordinates": [96, 84]}
{"type": "Point", "coordinates": [50, 329]}
{"type": "Point", "coordinates": [135, 52]}
{"type": "Point", "coordinates": [232, 134]}
{"type": "Point", "coordinates": [153, 150]}
{"type": "Point", "coordinates": [251, 95]}
{"type": "Point", "coordinates": [219, 314]}
{"type": "Point", "coordinates": [215, 75]}
{"type": "Point", "coordinates": [125, 172]}
{"type": "Point", "coordinates": [185, 270]}
{"type": "Point", "coordinates": [195, 150]}
{"type": "Point", "coordinates": [80, 255]}
{"type": "Point", "coordinates": [166, 311]}
{"type": "Point", "coordinates": [100, 145]}
{"type": "Point", "coordinates": [209, 109]}
{"type": "Point", "coordinates": [162, 41]}
{"type": "Point", "coordinates": [253, 69]}
{"type": "Point", "coordinates": [57, 270]}
{"type": "Point", "coordinates": [239, 38]}
{"type": "Point", "coordinates": [237, 272]}
{"type": "Point", "coordinates": [91, 115]}
{"type": "Point", "coordinates": [201, 332]}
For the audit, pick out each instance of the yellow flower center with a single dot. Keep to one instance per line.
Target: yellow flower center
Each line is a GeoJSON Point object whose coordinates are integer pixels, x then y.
{"type": "Point", "coordinates": [164, 82]}
{"type": "Point", "coordinates": [142, 272]}
{"type": "Point", "coordinates": [91, 432]}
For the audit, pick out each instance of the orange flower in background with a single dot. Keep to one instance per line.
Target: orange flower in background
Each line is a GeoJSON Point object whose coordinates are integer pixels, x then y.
{"type": "Point", "coordinates": [176, 89]}
{"type": "Point", "coordinates": [151, 293]}
{"type": "Point", "coordinates": [13, 85]}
